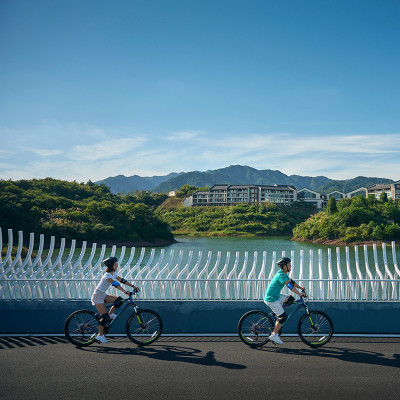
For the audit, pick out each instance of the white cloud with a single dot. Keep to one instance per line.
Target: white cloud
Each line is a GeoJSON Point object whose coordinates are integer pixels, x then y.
{"type": "Point", "coordinates": [184, 135]}
{"type": "Point", "coordinates": [88, 152]}
{"type": "Point", "coordinates": [44, 152]}
{"type": "Point", "coordinates": [105, 150]}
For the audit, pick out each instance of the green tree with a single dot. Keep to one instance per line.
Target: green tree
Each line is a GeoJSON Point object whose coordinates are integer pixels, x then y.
{"type": "Point", "coordinates": [331, 207]}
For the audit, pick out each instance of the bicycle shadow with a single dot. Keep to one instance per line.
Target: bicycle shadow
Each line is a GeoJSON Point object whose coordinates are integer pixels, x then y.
{"type": "Point", "coordinates": [344, 354]}
{"type": "Point", "coordinates": [167, 353]}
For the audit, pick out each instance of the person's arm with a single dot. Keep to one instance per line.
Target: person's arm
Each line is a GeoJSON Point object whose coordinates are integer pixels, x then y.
{"type": "Point", "coordinates": [292, 285]}
{"type": "Point", "coordinates": [117, 285]}
{"type": "Point", "coordinates": [125, 282]}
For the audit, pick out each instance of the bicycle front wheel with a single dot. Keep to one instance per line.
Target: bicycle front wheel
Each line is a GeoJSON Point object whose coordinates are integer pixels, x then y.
{"type": "Point", "coordinates": [81, 327]}
{"type": "Point", "coordinates": [254, 328]}
{"type": "Point", "coordinates": [144, 327]}
{"type": "Point", "coordinates": [315, 329]}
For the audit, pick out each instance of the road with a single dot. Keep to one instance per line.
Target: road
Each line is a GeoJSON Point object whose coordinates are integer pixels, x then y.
{"type": "Point", "coordinates": [198, 368]}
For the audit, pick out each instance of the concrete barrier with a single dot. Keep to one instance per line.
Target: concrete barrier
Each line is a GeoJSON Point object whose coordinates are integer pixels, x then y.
{"type": "Point", "coordinates": [201, 317]}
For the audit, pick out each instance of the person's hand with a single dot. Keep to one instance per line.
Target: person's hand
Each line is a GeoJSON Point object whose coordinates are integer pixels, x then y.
{"type": "Point", "coordinates": [303, 294]}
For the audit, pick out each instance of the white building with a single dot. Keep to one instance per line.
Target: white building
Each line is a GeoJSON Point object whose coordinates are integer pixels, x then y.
{"type": "Point", "coordinates": [309, 196]}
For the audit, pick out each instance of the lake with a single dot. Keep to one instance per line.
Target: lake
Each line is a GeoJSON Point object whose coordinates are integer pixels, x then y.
{"type": "Point", "coordinates": [280, 245]}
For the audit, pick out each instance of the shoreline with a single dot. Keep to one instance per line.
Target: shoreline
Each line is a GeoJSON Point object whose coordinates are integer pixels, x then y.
{"type": "Point", "coordinates": [337, 242]}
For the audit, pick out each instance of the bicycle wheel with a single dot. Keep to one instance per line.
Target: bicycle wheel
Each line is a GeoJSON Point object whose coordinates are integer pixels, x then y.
{"type": "Point", "coordinates": [254, 327]}
{"type": "Point", "coordinates": [144, 327]}
{"type": "Point", "coordinates": [81, 327]}
{"type": "Point", "coordinates": [315, 329]}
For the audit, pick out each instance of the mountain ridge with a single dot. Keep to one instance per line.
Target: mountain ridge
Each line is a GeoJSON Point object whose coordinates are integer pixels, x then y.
{"type": "Point", "coordinates": [235, 174]}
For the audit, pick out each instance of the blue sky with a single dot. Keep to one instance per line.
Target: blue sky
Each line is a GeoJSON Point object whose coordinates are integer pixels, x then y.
{"type": "Point", "coordinates": [91, 89]}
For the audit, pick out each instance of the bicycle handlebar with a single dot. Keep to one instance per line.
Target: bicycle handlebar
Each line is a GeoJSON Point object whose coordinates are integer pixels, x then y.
{"type": "Point", "coordinates": [134, 291]}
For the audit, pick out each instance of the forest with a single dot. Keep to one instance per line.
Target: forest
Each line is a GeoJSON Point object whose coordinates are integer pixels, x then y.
{"type": "Point", "coordinates": [239, 220]}
{"type": "Point", "coordinates": [88, 211]}
{"type": "Point", "coordinates": [83, 211]}
{"type": "Point", "coordinates": [356, 220]}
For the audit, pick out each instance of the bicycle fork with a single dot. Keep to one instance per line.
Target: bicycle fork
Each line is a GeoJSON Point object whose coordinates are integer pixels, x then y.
{"type": "Point", "coordinates": [138, 317]}
{"type": "Point", "coordinates": [314, 328]}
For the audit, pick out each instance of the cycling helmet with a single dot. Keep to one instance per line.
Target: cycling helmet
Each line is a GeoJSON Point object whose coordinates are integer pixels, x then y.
{"type": "Point", "coordinates": [283, 261]}
{"type": "Point", "coordinates": [110, 261]}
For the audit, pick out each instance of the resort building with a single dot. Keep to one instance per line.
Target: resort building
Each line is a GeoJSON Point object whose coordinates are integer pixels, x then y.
{"type": "Point", "coordinates": [336, 194]}
{"type": "Point", "coordinates": [391, 189]}
{"type": "Point", "coordinates": [362, 191]}
{"type": "Point", "coordinates": [225, 195]}
{"type": "Point", "coordinates": [309, 196]}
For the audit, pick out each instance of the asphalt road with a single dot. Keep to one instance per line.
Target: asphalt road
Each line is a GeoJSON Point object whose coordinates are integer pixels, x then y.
{"type": "Point", "coordinates": [199, 368]}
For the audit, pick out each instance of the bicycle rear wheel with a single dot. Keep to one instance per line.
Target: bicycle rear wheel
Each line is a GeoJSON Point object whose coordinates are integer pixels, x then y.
{"type": "Point", "coordinates": [81, 327]}
{"type": "Point", "coordinates": [315, 329]}
{"type": "Point", "coordinates": [254, 328]}
{"type": "Point", "coordinates": [144, 327]}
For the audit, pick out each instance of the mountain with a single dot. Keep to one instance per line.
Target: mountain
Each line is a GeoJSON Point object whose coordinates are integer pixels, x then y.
{"type": "Point", "coordinates": [241, 175]}
{"type": "Point", "coordinates": [129, 184]}
{"type": "Point", "coordinates": [348, 185]}
{"type": "Point", "coordinates": [236, 174]}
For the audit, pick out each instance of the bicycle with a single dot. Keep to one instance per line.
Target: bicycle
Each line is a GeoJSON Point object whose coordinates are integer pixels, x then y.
{"type": "Point", "coordinates": [142, 327]}
{"type": "Point", "coordinates": [315, 328]}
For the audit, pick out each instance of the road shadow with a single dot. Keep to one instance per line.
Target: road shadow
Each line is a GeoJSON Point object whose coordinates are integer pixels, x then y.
{"type": "Point", "coordinates": [356, 356]}
{"type": "Point", "coordinates": [12, 342]}
{"type": "Point", "coordinates": [168, 353]}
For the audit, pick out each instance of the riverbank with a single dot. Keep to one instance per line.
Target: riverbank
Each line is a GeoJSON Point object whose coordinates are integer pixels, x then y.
{"type": "Point", "coordinates": [337, 242]}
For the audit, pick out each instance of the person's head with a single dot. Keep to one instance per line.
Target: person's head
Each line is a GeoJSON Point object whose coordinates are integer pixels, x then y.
{"type": "Point", "coordinates": [285, 263]}
{"type": "Point", "coordinates": [111, 263]}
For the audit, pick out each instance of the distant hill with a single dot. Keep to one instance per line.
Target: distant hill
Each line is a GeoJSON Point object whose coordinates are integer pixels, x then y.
{"type": "Point", "coordinates": [129, 184]}
{"type": "Point", "coordinates": [241, 175]}
{"type": "Point", "coordinates": [235, 174]}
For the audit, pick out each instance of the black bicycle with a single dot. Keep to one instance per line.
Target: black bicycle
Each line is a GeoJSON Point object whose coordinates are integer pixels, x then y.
{"type": "Point", "coordinates": [315, 328]}
{"type": "Point", "coordinates": [143, 327]}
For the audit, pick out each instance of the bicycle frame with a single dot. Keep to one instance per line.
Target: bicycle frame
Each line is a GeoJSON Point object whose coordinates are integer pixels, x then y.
{"type": "Point", "coordinates": [129, 302]}
{"type": "Point", "coordinates": [301, 304]}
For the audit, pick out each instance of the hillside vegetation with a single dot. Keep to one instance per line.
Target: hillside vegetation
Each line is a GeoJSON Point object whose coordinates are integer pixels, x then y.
{"type": "Point", "coordinates": [352, 221]}
{"type": "Point", "coordinates": [250, 220]}
{"type": "Point", "coordinates": [81, 211]}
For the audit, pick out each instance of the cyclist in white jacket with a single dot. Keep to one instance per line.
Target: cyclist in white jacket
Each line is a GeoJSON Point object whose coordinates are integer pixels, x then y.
{"type": "Point", "coordinates": [100, 297]}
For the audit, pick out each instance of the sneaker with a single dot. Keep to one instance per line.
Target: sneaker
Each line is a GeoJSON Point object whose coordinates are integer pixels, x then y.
{"type": "Point", "coordinates": [101, 339]}
{"type": "Point", "coordinates": [113, 316]}
{"type": "Point", "coordinates": [275, 338]}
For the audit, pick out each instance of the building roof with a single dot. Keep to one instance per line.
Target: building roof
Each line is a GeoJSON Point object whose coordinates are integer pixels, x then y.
{"type": "Point", "coordinates": [380, 186]}
{"type": "Point", "coordinates": [219, 187]}
{"type": "Point", "coordinates": [308, 190]}
{"type": "Point", "coordinates": [336, 191]}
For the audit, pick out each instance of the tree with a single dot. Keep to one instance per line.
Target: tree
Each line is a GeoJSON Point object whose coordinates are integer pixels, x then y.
{"type": "Point", "coordinates": [331, 207]}
{"type": "Point", "coordinates": [383, 197]}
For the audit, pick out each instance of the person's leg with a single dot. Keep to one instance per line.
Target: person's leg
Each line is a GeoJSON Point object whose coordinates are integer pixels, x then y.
{"type": "Point", "coordinates": [101, 308]}
{"type": "Point", "coordinates": [277, 309]}
{"type": "Point", "coordinates": [111, 299]}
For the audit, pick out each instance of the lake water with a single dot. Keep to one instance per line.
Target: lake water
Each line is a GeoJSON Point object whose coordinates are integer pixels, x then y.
{"type": "Point", "coordinates": [280, 245]}
{"type": "Point", "coordinates": [223, 258]}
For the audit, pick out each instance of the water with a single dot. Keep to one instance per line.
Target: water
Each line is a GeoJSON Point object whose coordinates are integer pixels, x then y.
{"type": "Point", "coordinates": [223, 258]}
{"type": "Point", "coordinates": [281, 245]}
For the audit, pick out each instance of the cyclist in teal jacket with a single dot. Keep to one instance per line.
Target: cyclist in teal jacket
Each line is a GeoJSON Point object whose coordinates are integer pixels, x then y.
{"type": "Point", "coordinates": [275, 300]}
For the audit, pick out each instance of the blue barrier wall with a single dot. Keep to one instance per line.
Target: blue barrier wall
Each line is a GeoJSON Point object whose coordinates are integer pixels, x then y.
{"type": "Point", "coordinates": [48, 316]}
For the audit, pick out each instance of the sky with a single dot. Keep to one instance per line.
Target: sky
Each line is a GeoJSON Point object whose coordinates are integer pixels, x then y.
{"type": "Point", "coordinates": [97, 88]}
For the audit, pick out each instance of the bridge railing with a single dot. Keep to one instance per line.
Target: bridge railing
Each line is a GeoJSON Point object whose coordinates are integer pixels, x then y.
{"type": "Point", "coordinates": [363, 274]}
{"type": "Point", "coordinates": [203, 289]}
